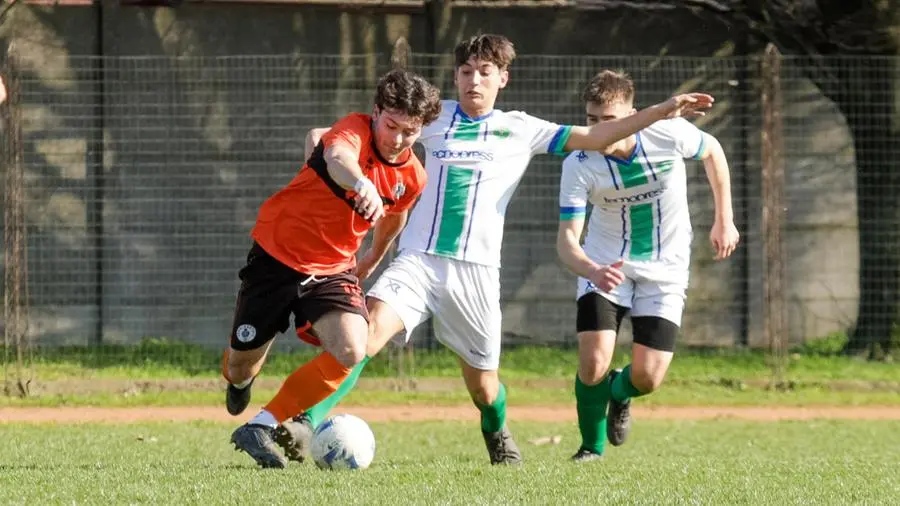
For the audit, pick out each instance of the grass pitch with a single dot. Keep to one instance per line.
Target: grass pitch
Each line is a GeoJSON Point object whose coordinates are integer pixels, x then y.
{"type": "Point", "coordinates": [172, 373]}
{"type": "Point", "coordinates": [664, 462]}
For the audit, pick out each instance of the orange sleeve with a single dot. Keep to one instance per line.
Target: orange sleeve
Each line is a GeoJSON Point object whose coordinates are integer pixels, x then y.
{"type": "Point", "coordinates": [351, 131]}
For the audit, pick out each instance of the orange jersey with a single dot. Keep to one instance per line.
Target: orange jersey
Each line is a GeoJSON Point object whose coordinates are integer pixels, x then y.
{"type": "Point", "coordinates": [310, 225]}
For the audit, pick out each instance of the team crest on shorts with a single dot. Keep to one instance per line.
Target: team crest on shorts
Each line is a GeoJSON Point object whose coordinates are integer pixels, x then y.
{"type": "Point", "coordinates": [245, 333]}
{"type": "Point", "coordinates": [399, 190]}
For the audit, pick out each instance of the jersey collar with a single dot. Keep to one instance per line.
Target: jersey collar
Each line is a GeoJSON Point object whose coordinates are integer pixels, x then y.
{"type": "Point", "coordinates": [475, 119]}
{"type": "Point", "coordinates": [634, 152]}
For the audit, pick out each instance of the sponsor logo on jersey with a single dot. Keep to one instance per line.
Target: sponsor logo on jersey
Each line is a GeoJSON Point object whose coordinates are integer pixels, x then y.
{"type": "Point", "coordinates": [450, 154]}
{"type": "Point", "coordinates": [501, 132]}
{"type": "Point", "coordinates": [637, 197]}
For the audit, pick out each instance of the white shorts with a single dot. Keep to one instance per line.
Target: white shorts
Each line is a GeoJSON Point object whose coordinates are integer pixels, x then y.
{"type": "Point", "coordinates": [463, 297]}
{"type": "Point", "coordinates": [649, 289]}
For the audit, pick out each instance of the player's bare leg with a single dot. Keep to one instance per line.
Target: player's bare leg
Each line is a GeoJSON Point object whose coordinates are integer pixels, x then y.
{"type": "Point", "coordinates": [649, 367]}
{"type": "Point", "coordinates": [651, 356]}
{"type": "Point", "coordinates": [343, 336]}
{"type": "Point", "coordinates": [294, 435]}
{"type": "Point", "coordinates": [241, 368]}
{"type": "Point", "coordinates": [489, 395]}
{"type": "Point", "coordinates": [595, 352]}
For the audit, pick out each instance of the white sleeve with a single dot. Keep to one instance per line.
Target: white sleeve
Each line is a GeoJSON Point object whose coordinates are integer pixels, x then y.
{"type": "Point", "coordinates": [574, 189]}
{"type": "Point", "coordinates": [545, 136]}
{"type": "Point", "coordinates": [688, 139]}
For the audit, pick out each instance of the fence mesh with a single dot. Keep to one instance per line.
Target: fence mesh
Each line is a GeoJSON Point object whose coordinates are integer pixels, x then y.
{"type": "Point", "coordinates": [142, 177]}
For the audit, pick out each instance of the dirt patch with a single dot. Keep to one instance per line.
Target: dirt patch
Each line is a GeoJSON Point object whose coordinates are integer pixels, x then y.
{"type": "Point", "coordinates": [463, 412]}
{"type": "Point", "coordinates": [93, 386]}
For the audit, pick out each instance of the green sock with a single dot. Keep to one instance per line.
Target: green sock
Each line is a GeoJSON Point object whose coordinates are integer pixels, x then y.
{"type": "Point", "coordinates": [591, 401]}
{"type": "Point", "coordinates": [318, 412]}
{"type": "Point", "coordinates": [622, 388]}
{"type": "Point", "coordinates": [493, 417]}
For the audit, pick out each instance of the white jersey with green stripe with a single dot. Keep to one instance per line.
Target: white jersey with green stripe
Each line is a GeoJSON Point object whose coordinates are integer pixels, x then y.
{"type": "Point", "coordinates": [474, 165]}
{"type": "Point", "coordinates": [640, 205]}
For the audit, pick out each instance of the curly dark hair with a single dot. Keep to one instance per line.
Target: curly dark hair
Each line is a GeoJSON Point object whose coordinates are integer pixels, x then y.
{"type": "Point", "coordinates": [495, 49]}
{"type": "Point", "coordinates": [409, 93]}
{"type": "Point", "coordinates": [609, 86]}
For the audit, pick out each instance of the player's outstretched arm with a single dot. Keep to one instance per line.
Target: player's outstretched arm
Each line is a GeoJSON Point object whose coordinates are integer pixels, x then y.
{"type": "Point", "coordinates": [724, 236]}
{"type": "Point", "coordinates": [601, 135]}
{"type": "Point", "coordinates": [312, 140]}
{"type": "Point", "coordinates": [386, 231]}
{"type": "Point", "coordinates": [568, 247]}
{"type": "Point", "coordinates": [343, 166]}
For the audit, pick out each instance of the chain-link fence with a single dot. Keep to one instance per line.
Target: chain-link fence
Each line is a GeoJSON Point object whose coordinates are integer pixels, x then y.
{"type": "Point", "coordinates": [132, 183]}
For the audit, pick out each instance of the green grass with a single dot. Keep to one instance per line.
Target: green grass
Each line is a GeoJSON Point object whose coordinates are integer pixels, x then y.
{"type": "Point", "coordinates": [159, 359]}
{"type": "Point", "coordinates": [454, 393]}
{"type": "Point", "coordinates": [159, 372]}
{"type": "Point", "coordinates": [710, 462]}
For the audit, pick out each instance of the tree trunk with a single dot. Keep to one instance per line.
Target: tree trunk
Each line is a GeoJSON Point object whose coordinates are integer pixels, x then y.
{"type": "Point", "coordinates": [867, 99]}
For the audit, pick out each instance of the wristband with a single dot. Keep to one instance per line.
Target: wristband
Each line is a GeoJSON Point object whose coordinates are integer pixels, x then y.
{"type": "Point", "coordinates": [363, 182]}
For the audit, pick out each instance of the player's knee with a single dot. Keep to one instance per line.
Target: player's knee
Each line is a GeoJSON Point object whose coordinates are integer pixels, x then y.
{"type": "Point", "coordinates": [592, 369]}
{"type": "Point", "coordinates": [484, 390]}
{"type": "Point", "coordinates": [240, 367]}
{"type": "Point", "coordinates": [344, 336]}
{"type": "Point", "coordinates": [484, 395]}
{"type": "Point", "coordinates": [238, 374]}
{"type": "Point", "coordinates": [351, 353]}
{"type": "Point", "coordinates": [647, 381]}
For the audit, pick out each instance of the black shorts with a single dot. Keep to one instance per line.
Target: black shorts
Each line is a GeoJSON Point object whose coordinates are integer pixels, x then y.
{"type": "Point", "coordinates": [270, 291]}
{"type": "Point", "coordinates": [596, 313]}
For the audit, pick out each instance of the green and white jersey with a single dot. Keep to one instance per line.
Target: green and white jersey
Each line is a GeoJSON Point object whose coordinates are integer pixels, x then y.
{"type": "Point", "coordinates": [640, 205]}
{"type": "Point", "coordinates": [474, 165]}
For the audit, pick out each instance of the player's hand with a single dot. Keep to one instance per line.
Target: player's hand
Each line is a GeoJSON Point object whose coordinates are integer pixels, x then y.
{"type": "Point", "coordinates": [367, 201]}
{"type": "Point", "coordinates": [608, 277]}
{"type": "Point", "coordinates": [366, 265]}
{"type": "Point", "coordinates": [687, 105]}
{"type": "Point", "coordinates": [724, 238]}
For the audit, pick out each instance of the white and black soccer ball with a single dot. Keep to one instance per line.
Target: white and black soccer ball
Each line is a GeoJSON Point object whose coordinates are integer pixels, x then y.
{"type": "Point", "coordinates": [343, 442]}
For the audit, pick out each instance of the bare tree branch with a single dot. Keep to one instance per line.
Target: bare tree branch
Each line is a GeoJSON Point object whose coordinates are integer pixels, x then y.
{"type": "Point", "coordinates": [809, 27]}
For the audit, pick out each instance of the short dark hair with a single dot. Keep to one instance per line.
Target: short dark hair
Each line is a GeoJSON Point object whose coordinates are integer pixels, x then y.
{"type": "Point", "coordinates": [609, 86]}
{"type": "Point", "coordinates": [408, 93]}
{"type": "Point", "coordinates": [496, 49]}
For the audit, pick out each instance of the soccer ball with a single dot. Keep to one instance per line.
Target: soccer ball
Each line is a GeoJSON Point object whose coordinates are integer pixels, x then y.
{"type": "Point", "coordinates": [343, 442]}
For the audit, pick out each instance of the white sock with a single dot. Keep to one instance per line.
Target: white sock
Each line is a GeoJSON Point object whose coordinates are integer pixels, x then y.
{"type": "Point", "coordinates": [243, 385]}
{"type": "Point", "coordinates": [264, 418]}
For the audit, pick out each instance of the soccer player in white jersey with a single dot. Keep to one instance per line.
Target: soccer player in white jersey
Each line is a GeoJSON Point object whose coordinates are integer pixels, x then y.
{"type": "Point", "coordinates": [448, 266]}
{"type": "Point", "coordinates": [636, 254]}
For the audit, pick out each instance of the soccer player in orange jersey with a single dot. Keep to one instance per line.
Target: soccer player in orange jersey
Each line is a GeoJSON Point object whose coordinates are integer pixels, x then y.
{"type": "Point", "coordinates": [362, 174]}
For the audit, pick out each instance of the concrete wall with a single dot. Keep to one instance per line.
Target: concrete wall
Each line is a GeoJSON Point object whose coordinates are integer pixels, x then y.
{"type": "Point", "coordinates": [187, 144]}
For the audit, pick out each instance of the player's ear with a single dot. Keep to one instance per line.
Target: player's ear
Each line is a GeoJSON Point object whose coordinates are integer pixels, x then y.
{"type": "Point", "coordinates": [375, 112]}
{"type": "Point", "coordinates": [504, 78]}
